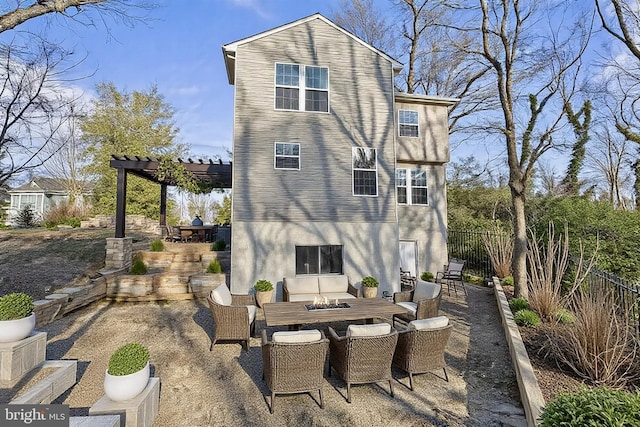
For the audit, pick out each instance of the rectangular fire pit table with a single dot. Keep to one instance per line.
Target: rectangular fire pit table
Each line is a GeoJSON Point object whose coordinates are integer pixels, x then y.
{"type": "Point", "coordinates": [294, 314]}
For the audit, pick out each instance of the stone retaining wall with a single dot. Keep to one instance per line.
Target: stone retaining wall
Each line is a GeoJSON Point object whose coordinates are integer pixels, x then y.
{"type": "Point", "coordinates": [530, 394]}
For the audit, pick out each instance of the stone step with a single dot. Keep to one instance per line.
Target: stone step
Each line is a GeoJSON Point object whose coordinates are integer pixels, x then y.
{"type": "Point", "coordinates": [95, 421]}
{"type": "Point", "coordinates": [20, 357]}
{"type": "Point", "coordinates": [140, 411]}
{"type": "Point", "coordinates": [53, 385]}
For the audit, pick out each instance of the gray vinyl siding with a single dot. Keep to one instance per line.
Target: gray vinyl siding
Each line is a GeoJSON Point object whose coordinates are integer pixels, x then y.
{"type": "Point", "coordinates": [361, 115]}
{"type": "Point", "coordinates": [432, 145]}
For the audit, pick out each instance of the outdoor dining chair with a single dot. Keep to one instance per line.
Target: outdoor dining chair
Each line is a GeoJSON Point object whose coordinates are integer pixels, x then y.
{"type": "Point", "coordinates": [422, 302]}
{"type": "Point", "coordinates": [233, 315]}
{"type": "Point", "coordinates": [173, 234]}
{"type": "Point", "coordinates": [452, 275]}
{"type": "Point", "coordinates": [363, 355]}
{"type": "Point", "coordinates": [293, 362]}
{"type": "Point", "coordinates": [422, 345]}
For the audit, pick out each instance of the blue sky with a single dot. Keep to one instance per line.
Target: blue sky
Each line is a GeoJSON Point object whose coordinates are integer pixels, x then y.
{"type": "Point", "coordinates": [179, 50]}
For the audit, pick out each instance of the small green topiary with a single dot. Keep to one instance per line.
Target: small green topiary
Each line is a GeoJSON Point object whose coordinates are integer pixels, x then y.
{"type": "Point", "coordinates": [219, 245]}
{"type": "Point", "coordinates": [597, 407]}
{"type": "Point", "coordinates": [370, 282]}
{"type": "Point", "coordinates": [427, 276]}
{"type": "Point", "coordinates": [157, 245]}
{"type": "Point", "coordinates": [138, 267]}
{"type": "Point", "coordinates": [564, 316]}
{"type": "Point", "coordinates": [263, 285]}
{"type": "Point", "coordinates": [15, 306]}
{"type": "Point", "coordinates": [214, 267]}
{"type": "Point", "coordinates": [508, 281]}
{"type": "Point", "coordinates": [517, 304]}
{"type": "Point", "coordinates": [527, 318]}
{"type": "Point", "coordinates": [128, 359]}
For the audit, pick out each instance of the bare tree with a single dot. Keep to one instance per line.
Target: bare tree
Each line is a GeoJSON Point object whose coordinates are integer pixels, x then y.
{"type": "Point", "coordinates": [608, 161]}
{"type": "Point", "coordinates": [32, 106]}
{"type": "Point", "coordinates": [624, 26]}
{"type": "Point", "coordinates": [66, 161]}
{"type": "Point", "coordinates": [362, 19]}
{"type": "Point", "coordinates": [14, 13]}
{"type": "Point", "coordinates": [543, 64]}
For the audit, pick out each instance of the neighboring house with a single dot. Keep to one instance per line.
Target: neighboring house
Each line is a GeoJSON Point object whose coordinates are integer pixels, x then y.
{"type": "Point", "coordinates": [40, 193]}
{"type": "Point", "coordinates": [333, 172]}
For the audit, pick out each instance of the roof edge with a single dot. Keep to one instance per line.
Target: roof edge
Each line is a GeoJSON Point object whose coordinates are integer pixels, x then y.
{"type": "Point", "coordinates": [426, 99]}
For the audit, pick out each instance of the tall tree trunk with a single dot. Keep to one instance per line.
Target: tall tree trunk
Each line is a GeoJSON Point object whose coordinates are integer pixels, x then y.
{"type": "Point", "coordinates": [519, 260]}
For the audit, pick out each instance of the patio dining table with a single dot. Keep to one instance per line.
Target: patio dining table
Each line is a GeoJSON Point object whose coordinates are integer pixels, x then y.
{"type": "Point", "coordinates": [205, 233]}
{"type": "Point", "coordinates": [295, 314]}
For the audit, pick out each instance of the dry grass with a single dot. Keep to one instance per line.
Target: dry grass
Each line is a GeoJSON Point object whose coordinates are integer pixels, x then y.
{"type": "Point", "coordinates": [599, 346]}
{"type": "Point", "coordinates": [499, 246]}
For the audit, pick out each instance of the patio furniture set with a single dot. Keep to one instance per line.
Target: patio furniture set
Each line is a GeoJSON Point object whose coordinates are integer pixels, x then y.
{"type": "Point", "coordinates": [191, 233]}
{"type": "Point", "coordinates": [294, 360]}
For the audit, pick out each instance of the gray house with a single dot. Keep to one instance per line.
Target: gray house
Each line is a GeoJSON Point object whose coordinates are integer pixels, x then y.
{"type": "Point", "coordinates": [333, 171]}
{"type": "Point", "coordinates": [41, 194]}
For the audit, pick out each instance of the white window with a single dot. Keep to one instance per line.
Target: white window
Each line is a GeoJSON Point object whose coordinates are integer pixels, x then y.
{"type": "Point", "coordinates": [365, 171]}
{"type": "Point", "coordinates": [408, 121]}
{"type": "Point", "coordinates": [411, 187]}
{"type": "Point", "coordinates": [287, 155]}
{"type": "Point", "coordinates": [300, 87]}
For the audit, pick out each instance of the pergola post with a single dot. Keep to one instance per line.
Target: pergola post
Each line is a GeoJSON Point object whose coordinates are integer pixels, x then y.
{"type": "Point", "coordinates": [163, 208]}
{"type": "Point", "coordinates": [121, 202]}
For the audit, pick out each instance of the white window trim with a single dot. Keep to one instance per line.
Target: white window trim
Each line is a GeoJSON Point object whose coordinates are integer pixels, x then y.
{"type": "Point", "coordinates": [302, 87]}
{"type": "Point", "coordinates": [409, 187]}
{"type": "Point", "coordinates": [417, 125]}
{"type": "Point", "coordinates": [299, 156]}
{"type": "Point", "coordinates": [353, 184]}
{"type": "Point", "coordinates": [405, 186]}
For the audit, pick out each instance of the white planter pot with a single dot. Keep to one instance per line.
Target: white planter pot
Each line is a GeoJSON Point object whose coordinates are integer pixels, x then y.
{"type": "Point", "coordinates": [125, 387]}
{"type": "Point", "coordinates": [16, 330]}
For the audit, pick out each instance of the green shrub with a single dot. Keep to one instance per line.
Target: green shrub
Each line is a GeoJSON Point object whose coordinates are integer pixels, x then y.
{"type": "Point", "coordinates": [219, 245]}
{"type": "Point", "coordinates": [370, 282]}
{"type": "Point", "coordinates": [128, 359]}
{"type": "Point", "coordinates": [508, 281]}
{"type": "Point", "coordinates": [517, 304]}
{"type": "Point", "coordinates": [27, 217]}
{"type": "Point", "coordinates": [598, 407]}
{"type": "Point", "coordinates": [157, 245]}
{"type": "Point", "coordinates": [138, 267]}
{"type": "Point", "coordinates": [427, 276]}
{"type": "Point", "coordinates": [527, 318]}
{"type": "Point", "coordinates": [15, 306]}
{"type": "Point", "coordinates": [263, 285]}
{"type": "Point", "coordinates": [214, 267]}
{"type": "Point", "coordinates": [564, 316]}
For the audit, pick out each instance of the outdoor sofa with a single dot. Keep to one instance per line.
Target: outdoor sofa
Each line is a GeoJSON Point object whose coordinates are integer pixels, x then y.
{"type": "Point", "coordinates": [307, 288]}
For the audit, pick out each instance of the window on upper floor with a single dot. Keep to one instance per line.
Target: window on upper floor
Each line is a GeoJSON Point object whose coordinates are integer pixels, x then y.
{"type": "Point", "coordinates": [325, 259]}
{"type": "Point", "coordinates": [302, 87]}
{"type": "Point", "coordinates": [365, 171]}
{"type": "Point", "coordinates": [408, 122]}
{"type": "Point", "coordinates": [411, 187]}
{"type": "Point", "coordinates": [286, 155]}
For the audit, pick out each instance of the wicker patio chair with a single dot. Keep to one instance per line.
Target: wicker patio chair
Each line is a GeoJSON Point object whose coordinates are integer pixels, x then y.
{"type": "Point", "coordinates": [452, 275]}
{"type": "Point", "coordinates": [422, 350]}
{"type": "Point", "coordinates": [173, 234]}
{"type": "Point", "coordinates": [422, 302]}
{"type": "Point", "coordinates": [362, 359]}
{"type": "Point", "coordinates": [293, 362]}
{"type": "Point", "coordinates": [233, 316]}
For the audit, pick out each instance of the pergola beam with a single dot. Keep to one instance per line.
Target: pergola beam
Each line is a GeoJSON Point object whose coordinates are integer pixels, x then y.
{"type": "Point", "coordinates": [218, 174]}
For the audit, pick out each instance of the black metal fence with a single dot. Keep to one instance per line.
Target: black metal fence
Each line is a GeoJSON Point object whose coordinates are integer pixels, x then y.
{"type": "Point", "coordinates": [468, 245]}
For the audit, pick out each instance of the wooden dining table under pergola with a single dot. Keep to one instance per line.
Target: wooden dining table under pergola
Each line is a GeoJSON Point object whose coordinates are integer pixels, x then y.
{"type": "Point", "coordinates": [216, 174]}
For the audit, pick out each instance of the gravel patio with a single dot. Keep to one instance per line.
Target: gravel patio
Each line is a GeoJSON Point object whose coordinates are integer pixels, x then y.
{"type": "Point", "coordinates": [224, 387]}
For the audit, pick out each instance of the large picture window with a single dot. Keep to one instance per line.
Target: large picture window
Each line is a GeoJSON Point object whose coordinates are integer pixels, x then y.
{"type": "Point", "coordinates": [326, 259]}
{"type": "Point", "coordinates": [411, 187]}
{"type": "Point", "coordinates": [365, 171]}
{"type": "Point", "coordinates": [302, 88]}
{"type": "Point", "coordinates": [287, 155]}
{"type": "Point", "coordinates": [408, 122]}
